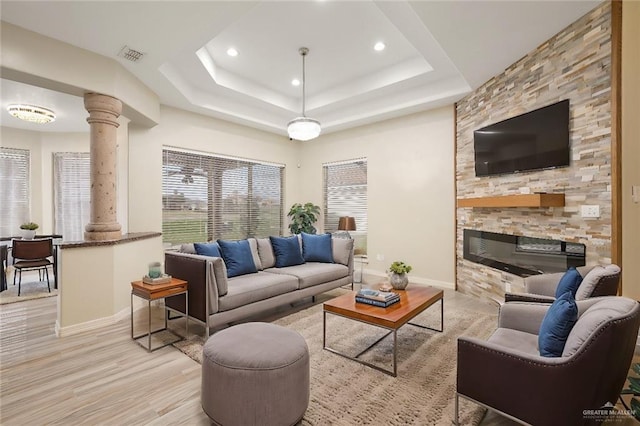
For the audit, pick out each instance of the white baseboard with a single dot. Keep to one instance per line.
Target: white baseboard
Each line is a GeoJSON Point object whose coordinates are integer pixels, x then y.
{"type": "Point", "coordinates": [91, 325]}
{"type": "Point", "coordinates": [414, 279]}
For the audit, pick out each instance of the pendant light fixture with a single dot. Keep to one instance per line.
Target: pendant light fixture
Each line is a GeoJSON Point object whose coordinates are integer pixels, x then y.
{"type": "Point", "coordinates": [303, 128]}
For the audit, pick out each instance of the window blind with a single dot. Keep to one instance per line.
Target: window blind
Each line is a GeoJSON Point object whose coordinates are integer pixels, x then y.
{"type": "Point", "coordinates": [207, 197]}
{"type": "Point", "coordinates": [72, 194]}
{"type": "Point", "coordinates": [14, 190]}
{"type": "Point", "coordinates": [345, 193]}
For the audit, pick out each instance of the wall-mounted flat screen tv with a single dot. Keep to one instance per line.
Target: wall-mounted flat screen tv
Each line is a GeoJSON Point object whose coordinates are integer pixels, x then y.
{"type": "Point", "coordinates": [535, 140]}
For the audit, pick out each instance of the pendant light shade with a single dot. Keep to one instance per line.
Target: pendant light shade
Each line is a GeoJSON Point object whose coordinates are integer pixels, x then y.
{"type": "Point", "coordinates": [303, 128]}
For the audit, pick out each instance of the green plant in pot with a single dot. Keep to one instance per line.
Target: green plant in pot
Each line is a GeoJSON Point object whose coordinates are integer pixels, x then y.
{"type": "Point", "coordinates": [29, 230]}
{"type": "Point", "coordinates": [303, 217]}
{"type": "Point", "coordinates": [398, 275]}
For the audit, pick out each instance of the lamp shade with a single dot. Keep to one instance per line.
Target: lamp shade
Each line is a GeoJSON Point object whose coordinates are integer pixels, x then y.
{"type": "Point", "coordinates": [347, 223]}
{"type": "Point", "coordinates": [303, 128]}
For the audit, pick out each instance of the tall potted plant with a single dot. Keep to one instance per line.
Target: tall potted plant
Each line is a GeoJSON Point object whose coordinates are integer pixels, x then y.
{"type": "Point", "coordinates": [29, 230]}
{"type": "Point", "coordinates": [303, 217]}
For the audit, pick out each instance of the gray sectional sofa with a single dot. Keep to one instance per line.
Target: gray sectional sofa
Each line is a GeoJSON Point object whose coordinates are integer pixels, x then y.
{"type": "Point", "coordinates": [216, 299]}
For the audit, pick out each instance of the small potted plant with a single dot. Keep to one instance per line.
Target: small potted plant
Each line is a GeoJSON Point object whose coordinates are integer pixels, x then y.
{"type": "Point", "coordinates": [398, 275]}
{"type": "Point", "coordinates": [29, 230]}
{"type": "Point", "coordinates": [303, 217]}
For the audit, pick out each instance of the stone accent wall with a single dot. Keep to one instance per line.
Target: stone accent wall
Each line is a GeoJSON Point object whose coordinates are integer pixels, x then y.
{"type": "Point", "coordinates": [574, 64]}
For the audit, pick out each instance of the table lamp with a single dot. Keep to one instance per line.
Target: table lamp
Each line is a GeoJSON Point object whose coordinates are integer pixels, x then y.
{"type": "Point", "coordinates": [347, 223]}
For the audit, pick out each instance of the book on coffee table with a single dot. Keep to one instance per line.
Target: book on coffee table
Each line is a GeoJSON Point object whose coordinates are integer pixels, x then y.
{"type": "Point", "coordinates": [381, 296]}
{"type": "Point", "coordinates": [373, 302]}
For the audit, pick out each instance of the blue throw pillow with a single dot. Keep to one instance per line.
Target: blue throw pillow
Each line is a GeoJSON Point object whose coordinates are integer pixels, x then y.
{"type": "Point", "coordinates": [207, 249]}
{"type": "Point", "coordinates": [287, 251]}
{"type": "Point", "coordinates": [570, 281]}
{"type": "Point", "coordinates": [237, 257]}
{"type": "Point", "coordinates": [556, 325]}
{"type": "Point", "coordinates": [317, 248]}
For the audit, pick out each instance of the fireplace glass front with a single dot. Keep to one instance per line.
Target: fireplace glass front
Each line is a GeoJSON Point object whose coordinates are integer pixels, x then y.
{"type": "Point", "coordinates": [523, 256]}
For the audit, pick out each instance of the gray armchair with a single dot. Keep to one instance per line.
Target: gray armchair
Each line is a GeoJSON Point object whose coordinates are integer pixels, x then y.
{"type": "Point", "coordinates": [597, 281]}
{"type": "Point", "coordinates": [506, 373]}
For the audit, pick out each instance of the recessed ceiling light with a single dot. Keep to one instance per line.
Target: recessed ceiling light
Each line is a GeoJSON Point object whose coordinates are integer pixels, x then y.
{"type": "Point", "coordinates": [232, 52]}
{"type": "Point", "coordinates": [295, 82]}
{"type": "Point", "coordinates": [32, 113]}
{"type": "Point", "coordinates": [379, 46]}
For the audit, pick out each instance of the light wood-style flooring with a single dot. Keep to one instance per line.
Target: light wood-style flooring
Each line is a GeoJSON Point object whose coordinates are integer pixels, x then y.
{"type": "Point", "coordinates": [105, 378]}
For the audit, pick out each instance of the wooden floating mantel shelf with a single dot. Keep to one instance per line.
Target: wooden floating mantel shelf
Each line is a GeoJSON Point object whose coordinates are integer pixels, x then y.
{"type": "Point", "coordinates": [525, 200]}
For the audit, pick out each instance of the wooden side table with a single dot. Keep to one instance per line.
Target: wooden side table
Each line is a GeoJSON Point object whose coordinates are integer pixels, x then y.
{"type": "Point", "coordinates": [151, 292]}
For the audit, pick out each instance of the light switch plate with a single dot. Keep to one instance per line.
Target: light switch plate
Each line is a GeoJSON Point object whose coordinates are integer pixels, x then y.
{"type": "Point", "coordinates": [590, 211]}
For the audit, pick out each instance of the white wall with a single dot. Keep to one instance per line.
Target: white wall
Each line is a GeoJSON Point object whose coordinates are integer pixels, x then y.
{"type": "Point", "coordinates": [96, 282]}
{"type": "Point", "coordinates": [35, 59]}
{"type": "Point", "coordinates": [191, 131]}
{"type": "Point", "coordinates": [410, 183]}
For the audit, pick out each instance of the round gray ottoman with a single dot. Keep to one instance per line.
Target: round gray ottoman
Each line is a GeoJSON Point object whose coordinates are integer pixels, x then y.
{"type": "Point", "coordinates": [255, 374]}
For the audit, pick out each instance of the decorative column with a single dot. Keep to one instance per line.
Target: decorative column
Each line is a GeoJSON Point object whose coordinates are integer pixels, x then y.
{"type": "Point", "coordinates": [103, 115]}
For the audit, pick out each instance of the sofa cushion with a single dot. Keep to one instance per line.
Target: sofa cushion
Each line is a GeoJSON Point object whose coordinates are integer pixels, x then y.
{"type": "Point", "coordinates": [515, 340]}
{"type": "Point", "coordinates": [188, 248]}
{"type": "Point", "coordinates": [317, 248]}
{"type": "Point", "coordinates": [245, 289]}
{"type": "Point", "coordinates": [569, 282]}
{"type": "Point", "coordinates": [592, 279]}
{"type": "Point", "coordinates": [593, 318]}
{"type": "Point", "coordinates": [342, 249]}
{"type": "Point", "coordinates": [207, 249]}
{"type": "Point", "coordinates": [556, 325]}
{"type": "Point", "coordinates": [287, 251]}
{"type": "Point", "coordinates": [265, 251]}
{"type": "Point", "coordinates": [237, 257]}
{"type": "Point", "coordinates": [253, 244]}
{"type": "Point", "coordinates": [313, 273]}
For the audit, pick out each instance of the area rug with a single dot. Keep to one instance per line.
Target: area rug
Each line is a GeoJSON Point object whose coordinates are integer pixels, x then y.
{"type": "Point", "coordinates": [28, 291]}
{"type": "Point", "coordinates": [344, 392]}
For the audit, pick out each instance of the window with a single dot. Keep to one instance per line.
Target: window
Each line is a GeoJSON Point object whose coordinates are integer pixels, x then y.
{"type": "Point", "coordinates": [207, 197]}
{"type": "Point", "coordinates": [72, 194]}
{"type": "Point", "coordinates": [14, 190]}
{"type": "Point", "coordinates": [345, 194]}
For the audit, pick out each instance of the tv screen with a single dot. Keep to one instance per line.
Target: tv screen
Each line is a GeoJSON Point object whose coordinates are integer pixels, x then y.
{"type": "Point", "coordinates": [536, 140]}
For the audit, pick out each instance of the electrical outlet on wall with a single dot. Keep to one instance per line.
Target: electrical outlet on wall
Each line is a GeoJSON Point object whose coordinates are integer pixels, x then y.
{"type": "Point", "coordinates": [507, 287]}
{"type": "Point", "coordinates": [380, 257]}
{"type": "Point", "coordinates": [588, 211]}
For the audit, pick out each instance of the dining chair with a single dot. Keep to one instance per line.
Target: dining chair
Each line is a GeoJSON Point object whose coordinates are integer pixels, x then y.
{"type": "Point", "coordinates": [31, 255]}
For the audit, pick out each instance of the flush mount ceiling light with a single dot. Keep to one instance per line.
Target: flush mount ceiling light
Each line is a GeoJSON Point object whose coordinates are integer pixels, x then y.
{"type": "Point", "coordinates": [232, 52]}
{"type": "Point", "coordinates": [303, 128]}
{"type": "Point", "coordinates": [31, 113]}
{"type": "Point", "coordinates": [379, 46]}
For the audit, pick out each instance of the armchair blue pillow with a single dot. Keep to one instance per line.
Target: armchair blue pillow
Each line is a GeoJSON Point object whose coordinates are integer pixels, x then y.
{"type": "Point", "coordinates": [287, 251]}
{"type": "Point", "coordinates": [556, 325]}
{"type": "Point", "coordinates": [237, 257]}
{"type": "Point", "coordinates": [207, 249]}
{"type": "Point", "coordinates": [317, 248]}
{"type": "Point", "coordinates": [570, 281]}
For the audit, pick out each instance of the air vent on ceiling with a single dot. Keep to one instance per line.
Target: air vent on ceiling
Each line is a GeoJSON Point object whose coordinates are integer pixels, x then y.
{"type": "Point", "coordinates": [130, 54]}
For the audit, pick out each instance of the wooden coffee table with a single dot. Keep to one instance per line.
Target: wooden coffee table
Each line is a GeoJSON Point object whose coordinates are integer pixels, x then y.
{"type": "Point", "coordinates": [413, 301]}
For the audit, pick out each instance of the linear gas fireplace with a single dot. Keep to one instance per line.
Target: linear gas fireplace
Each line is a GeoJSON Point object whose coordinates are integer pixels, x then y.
{"type": "Point", "coordinates": [523, 256]}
